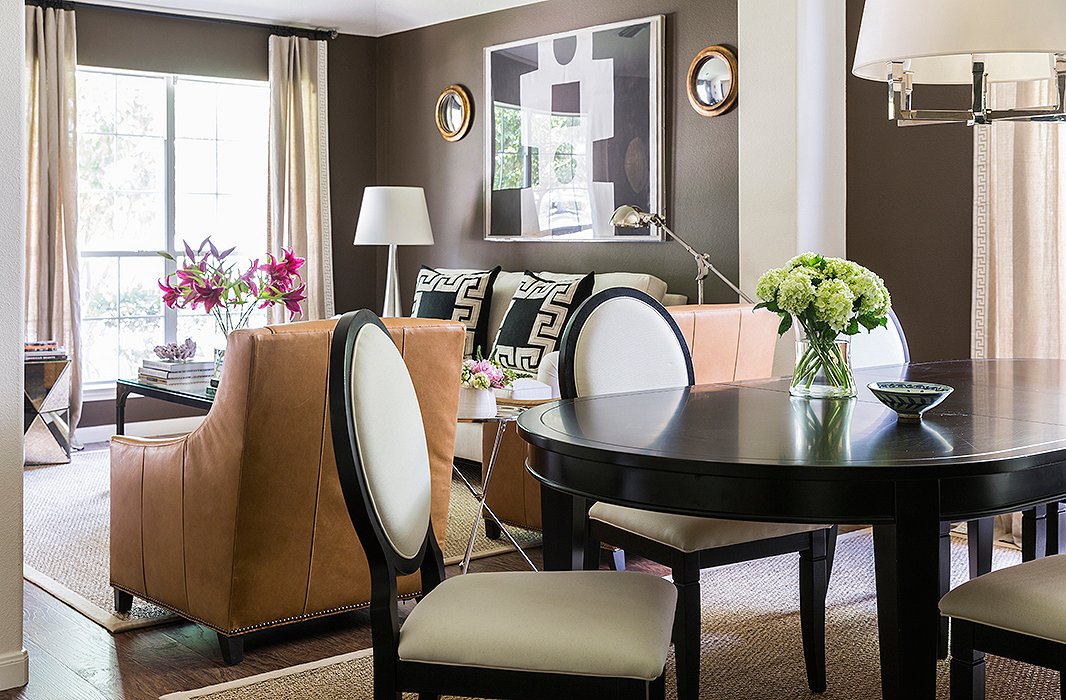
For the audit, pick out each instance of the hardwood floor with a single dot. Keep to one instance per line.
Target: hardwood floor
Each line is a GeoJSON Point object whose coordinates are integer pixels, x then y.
{"type": "Point", "coordinates": [73, 658]}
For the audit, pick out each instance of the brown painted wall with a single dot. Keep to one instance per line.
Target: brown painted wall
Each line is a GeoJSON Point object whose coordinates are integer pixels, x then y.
{"type": "Point", "coordinates": [701, 183]}
{"type": "Point", "coordinates": [116, 39]}
{"type": "Point", "coordinates": [910, 203]}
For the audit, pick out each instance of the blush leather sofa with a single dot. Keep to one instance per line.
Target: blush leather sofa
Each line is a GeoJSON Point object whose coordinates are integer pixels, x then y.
{"type": "Point", "coordinates": [728, 342]}
{"type": "Point", "coordinates": [241, 524]}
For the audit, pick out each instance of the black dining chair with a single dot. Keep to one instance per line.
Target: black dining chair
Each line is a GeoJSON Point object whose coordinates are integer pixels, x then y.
{"type": "Point", "coordinates": [622, 340]}
{"type": "Point", "coordinates": [523, 635]}
{"type": "Point", "coordinates": [1018, 612]}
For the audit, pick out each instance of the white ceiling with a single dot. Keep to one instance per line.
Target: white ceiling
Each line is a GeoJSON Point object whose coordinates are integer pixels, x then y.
{"type": "Point", "coordinates": [366, 17]}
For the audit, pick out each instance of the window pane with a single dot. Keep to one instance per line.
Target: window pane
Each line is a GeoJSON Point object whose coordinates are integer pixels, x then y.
{"type": "Point", "coordinates": [95, 158]}
{"type": "Point", "coordinates": [202, 329]}
{"type": "Point", "coordinates": [141, 105]}
{"type": "Point", "coordinates": [140, 295]}
{"type": "Point", "coordinates": [244, 113]}
{"type": "Point", "coordinates": [139, 223]}
{"type": "Point", "coordinates": [242, 222]}
{"type": "Point", "coordinates": [195, 166]}
{"type": "Point", "coordinates": [99, 287]}
{"type": "Point", "coordinates": [195, 216]}
{"type": "Point", "coordinates": [136, 338]}
{"type": "Point", "coordinates": [139, 164]}
{"type": "Point", "coordinates": [99, 340]}
{"type": "Point", "coordinates": [96, 102]}
{"type": "Point", "coordinates": [194, 109]}
{"type": "Point", "coordinates": [242, 167]}
{"type": "Point", "coordinates": [96, 224]}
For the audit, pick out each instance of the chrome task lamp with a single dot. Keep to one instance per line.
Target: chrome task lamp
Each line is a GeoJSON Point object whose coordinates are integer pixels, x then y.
{"type": "Point", "coordinates": [627, 216]}
{"type": "Point", "coordinates": [964, 42]}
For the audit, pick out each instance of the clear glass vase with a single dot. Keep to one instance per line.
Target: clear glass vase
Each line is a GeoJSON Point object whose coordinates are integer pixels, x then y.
{"type": "Point", "coordinates": [823, 368]}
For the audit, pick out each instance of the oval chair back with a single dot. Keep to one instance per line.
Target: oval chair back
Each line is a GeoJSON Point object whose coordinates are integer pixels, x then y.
{"type": "Point", "coordinates": [881, 346]}
{"type": "Point", "coordinates": [622, 340]}
{"type": "Point", "coordinates": [380, 446]}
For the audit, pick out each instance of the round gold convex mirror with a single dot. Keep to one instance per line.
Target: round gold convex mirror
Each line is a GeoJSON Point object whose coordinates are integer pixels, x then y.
{"type": "Point", "coordinates": [455, 112]}
{"type": "Point", "coordinates": [712, 81]}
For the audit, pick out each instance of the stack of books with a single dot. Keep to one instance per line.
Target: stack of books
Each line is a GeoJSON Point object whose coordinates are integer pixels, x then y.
{"type": "Point", "coordinates": [176, 374]}
{"type": "Point", "coordinates": [41, 350]}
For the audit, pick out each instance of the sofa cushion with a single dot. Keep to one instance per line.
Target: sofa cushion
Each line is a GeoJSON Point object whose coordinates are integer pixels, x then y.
{"type": "Point", "coordinates": [507, 283]}
{"type": "Point", "coordinates": [536, 317]}
{"type": "Point", "coordinates": [461, 296]}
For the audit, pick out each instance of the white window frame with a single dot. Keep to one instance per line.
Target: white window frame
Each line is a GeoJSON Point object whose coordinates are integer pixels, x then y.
{"type": "Point", "coordinates": [105, 389]}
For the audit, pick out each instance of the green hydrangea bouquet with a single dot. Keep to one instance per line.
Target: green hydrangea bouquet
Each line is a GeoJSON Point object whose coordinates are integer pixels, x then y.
{"type": "Point", "coordinates": [828, 298]}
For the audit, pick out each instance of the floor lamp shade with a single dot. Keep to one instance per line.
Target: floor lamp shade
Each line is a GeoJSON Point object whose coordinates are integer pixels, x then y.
{"type": "Point", "coordinates": [939, 40]}
{"type": "Point", "coordinates": [393, 216]}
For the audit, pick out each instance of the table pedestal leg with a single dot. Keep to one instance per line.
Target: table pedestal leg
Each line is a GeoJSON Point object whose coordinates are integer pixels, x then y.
{"type": "Point", "coordinates": [907, 562]}
{"type": "Point", "coordinates": [565, 527]}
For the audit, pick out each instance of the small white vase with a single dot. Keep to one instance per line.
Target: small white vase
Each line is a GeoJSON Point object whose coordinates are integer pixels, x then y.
{"type": "Point", "coordinates": [476, 403]}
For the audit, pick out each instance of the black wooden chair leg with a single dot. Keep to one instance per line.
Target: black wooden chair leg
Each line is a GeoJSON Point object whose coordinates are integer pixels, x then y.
{"type": "Point", "coordinates": [492, 530]}
{"type": "Point", "coordinates": [1034, 532]}
{"type": "Point", "coordinates": [687, 627]}
{"type": "Point", "coordinates": [1056, 528]}
{"type": "Point", "coordinates": [232, 648]}
{"type": "Point", "coordinates": [967, 664]}
{"type": "Point", "coordinates": [814, 580]}
{"type": "Point", "coordinates": [123, 601]}
{"type": "Point", "coordinates": [944, 580]}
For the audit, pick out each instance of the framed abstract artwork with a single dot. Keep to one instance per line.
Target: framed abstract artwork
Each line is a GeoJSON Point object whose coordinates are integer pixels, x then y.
{"type": "Point", "coordinates": [574, 129]}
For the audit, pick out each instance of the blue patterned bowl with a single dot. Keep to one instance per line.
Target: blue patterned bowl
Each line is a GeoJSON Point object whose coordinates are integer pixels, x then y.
{"type": "Point", "coordinates": [909, 399]}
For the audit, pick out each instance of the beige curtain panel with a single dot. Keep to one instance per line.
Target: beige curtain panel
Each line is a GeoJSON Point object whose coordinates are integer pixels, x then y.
{"type": "Point", "coordinates": [299, 165]}
{"type": "Point", "coordinates": [1019, 276]}
{"type": "Point", "coordinates": [53, 307]}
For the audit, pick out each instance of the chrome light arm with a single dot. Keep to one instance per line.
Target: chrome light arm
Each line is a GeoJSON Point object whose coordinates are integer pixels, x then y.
{"type": "Point", "coordinates": [703, 263]}
{"type": "Point", "coordinates": [901, 110]}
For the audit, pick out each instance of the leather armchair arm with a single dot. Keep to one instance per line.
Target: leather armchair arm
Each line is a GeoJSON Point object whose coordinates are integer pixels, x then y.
{"type": "Point", "coordinates": [146, 516]}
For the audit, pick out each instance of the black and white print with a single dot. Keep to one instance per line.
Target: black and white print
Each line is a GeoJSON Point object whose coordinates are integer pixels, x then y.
{"type": "Point", "coordinates": [536, 318]}
{"type": "Point", "coordinates": [457, 296]}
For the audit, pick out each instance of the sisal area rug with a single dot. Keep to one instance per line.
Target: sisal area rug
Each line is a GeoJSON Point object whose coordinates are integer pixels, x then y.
{"type": "Point", "coordinates": [751, 641]}
{"type": "Point", "coordinates": [67, 538]}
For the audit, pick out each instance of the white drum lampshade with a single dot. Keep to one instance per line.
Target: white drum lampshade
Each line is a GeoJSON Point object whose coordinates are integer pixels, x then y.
{"type": "Point", "coordinates": [393, 216]}
{"type": "Point", "coordinates": [939, 40]}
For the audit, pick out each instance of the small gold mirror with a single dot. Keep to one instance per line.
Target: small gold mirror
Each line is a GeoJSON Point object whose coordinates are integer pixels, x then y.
{"type": "Point", "coordinates": [455, 112]}
{"type": "Point", "coordinates": [712, 81]}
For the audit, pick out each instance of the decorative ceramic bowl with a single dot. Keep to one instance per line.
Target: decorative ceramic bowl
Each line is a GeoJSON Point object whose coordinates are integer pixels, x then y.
{"type": "Point", "coordinates": [909, 399]}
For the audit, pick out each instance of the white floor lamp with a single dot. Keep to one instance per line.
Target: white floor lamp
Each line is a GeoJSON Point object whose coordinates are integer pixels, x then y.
{"type": "Point", "coordinates": [393, 216]}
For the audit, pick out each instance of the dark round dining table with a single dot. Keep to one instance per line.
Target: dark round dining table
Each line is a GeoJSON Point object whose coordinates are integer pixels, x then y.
{"type": "Point", "coordinates": [749, 451]}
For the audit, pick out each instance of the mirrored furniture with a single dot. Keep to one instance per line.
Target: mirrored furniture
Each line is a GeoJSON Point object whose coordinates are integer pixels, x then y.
{"type": "Point", "coordinates": [46, 411]}
{"type": "Point", "coordinates": [587, 634]}
{"type": "Point", "coordinates": [712, 81]}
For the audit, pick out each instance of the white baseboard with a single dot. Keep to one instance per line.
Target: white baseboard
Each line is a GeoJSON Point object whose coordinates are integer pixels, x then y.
{"type": "Point", "coordinates": [151, 428]}
{"type": "Point", "coordinates": [14, 670]}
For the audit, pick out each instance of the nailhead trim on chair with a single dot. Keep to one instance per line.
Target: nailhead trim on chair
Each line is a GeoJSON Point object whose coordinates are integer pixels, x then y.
{"type": "Point", "coordinates": [261, 625]}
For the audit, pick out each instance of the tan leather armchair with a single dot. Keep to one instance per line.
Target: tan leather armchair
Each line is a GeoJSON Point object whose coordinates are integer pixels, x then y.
{"type": "Point", "coordinates": [241, 525]}
{"type": "Point", "coordinates": [728, 342]}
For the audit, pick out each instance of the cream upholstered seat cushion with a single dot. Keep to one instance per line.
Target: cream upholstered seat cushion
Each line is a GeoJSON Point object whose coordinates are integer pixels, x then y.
{"type": "Point", "coordinates": [1029, 599]}
{"type": "Point", "coordinates": [588, 623]}
{"type": "Point", "coordinates": [689, 533]}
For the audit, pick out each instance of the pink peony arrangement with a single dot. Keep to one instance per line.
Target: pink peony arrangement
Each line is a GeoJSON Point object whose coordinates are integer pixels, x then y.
{"type": "Point", "coordinates": [229, 292]}
{"type": "Point", "coordinates": [485, 374]}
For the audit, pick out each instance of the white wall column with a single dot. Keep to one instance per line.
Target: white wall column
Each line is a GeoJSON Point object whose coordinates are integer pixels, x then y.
{"type": "Point", "coordinates": [793, 172]}
{"type": "Point", "coordinates": [13, 659]}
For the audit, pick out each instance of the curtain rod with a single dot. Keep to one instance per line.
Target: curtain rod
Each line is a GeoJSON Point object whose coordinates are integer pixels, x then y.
{"type": "Point", "coordinates": [278, 29]}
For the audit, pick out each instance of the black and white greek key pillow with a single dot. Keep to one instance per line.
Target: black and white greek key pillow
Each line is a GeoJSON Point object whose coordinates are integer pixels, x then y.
{"type": "Point", "coordinates": [457, 296]}
{"type": "Point", "coordinates": [536, 318]}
